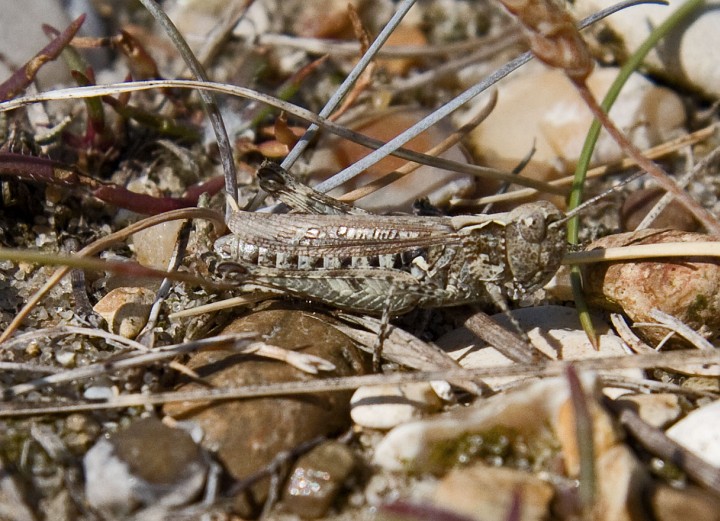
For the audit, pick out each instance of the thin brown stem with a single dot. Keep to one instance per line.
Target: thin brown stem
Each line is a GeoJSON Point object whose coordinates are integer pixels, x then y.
{"type": "Point", "coordinates": [661, 177]}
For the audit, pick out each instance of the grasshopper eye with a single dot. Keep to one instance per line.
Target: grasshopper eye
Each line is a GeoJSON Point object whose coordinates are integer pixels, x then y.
{"type": "Point", "coordinates": [270, 179]}
{"type": "Point", "coordinates": [533, 227]}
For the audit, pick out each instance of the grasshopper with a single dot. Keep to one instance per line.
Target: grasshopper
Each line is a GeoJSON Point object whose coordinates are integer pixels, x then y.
{"type": "Point", "coordinates": [361, 262]}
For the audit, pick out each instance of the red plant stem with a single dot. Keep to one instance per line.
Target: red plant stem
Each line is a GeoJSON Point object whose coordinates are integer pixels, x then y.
{"type": "Point", "coordinates": [661, 177]}
{"type": "Point", "coordinates": [19, 81]}
{"type": "Point", "coordinates": [52, 172]}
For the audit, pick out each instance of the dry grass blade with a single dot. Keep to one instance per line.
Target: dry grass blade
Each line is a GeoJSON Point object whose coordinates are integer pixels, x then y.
{"type": "Point", "coordinates": [438, 149]}
{"type": "Point", "coordinates": [681, 329]}
{"type": "Point", "coordinates": [506, 342]}
{"type": "Point", "coordinates": [101, 90]}
{"type": "Point", "coordinates": [405, 349]}
{"type": "Point", "coordinates": [552, 368]}
{"type": "Point", "coordinates": [645, 251]}
{"type": "Point", "coordinates": [627, 334]}
{"type": "Point", "coordinates": [245, 300]}
{"type": "Point", "coordinates": [656, 152]}
{"type": "Point", "coordinates": [241, 343]}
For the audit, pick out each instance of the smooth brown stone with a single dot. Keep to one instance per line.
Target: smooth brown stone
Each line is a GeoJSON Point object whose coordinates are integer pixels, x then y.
{"type": "Point", "coordinates": [246, 435]}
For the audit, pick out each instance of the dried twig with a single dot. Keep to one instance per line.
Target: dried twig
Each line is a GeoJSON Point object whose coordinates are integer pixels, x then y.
{"type": "Point", "coordinates": [657, 443]}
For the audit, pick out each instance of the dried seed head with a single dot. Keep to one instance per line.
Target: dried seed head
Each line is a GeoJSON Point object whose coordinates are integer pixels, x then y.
{"type": "Point", "coordinates": [554, 38]}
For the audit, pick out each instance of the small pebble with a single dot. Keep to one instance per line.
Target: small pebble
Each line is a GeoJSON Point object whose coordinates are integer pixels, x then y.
{"type": "Point", "coordinates": [65, 357]}
{"type": "Point", "coordinates": [154, 246]}
{"type": "Point", "coordinates": [659, 410]}
{"type": "Point", "coordinates": [386, 406]}
{"type": "Point", "coordinates": [146, 464]}
{"type": "Point", "coordinates": [316, 480]}
{"type": "Point", "coordinates": [126, 310]}
{"type": "Point", "coordinates": [493, 492]}
{"type": "Point", "coordinates": [699, 432]}
{"type": "Point", "coordinates": [100, 392]}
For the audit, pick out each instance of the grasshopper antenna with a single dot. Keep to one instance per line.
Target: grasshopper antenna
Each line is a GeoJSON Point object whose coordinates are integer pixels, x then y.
{"type": "Point", "coordinates": [587, 204]}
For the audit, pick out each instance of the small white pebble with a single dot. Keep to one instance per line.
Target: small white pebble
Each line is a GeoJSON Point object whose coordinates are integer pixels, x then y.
{"type": "Point", "coordinates": [97, 392]}
{"type": "Point", "coordinates": [65, 358]}
{"type": "Point", "coordinates": [386, 406]}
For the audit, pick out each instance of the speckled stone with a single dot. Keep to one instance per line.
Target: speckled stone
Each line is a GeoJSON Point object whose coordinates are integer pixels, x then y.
{"type": "Point", "coordinates": [146, 464]}
{"type": "Point", "coordinates": [246, 435]}
{"type": "Point", "coordinates": [316, 479]}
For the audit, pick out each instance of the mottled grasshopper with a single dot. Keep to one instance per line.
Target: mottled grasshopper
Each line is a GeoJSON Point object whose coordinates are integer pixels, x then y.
{"type": "Point", "coordinates": [374, 263]}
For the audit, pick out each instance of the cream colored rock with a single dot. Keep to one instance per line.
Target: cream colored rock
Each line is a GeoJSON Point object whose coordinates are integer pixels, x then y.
{"type": "Point", "coordinates": [154, 246]}
{"type": "Point", "coordinates": [699, 432]}
{"type": "Point", "coordinates": [620, 480]}
{"type": "Point", "coordinates": [493, 492]}
{"type": "Point", "coordinates": [689, 55]}
{"type": "Point", "coordinates": [554, 330]}
{"type": "Point", "coordinates": [387, 406]}
{"type": "Point", "coordinates": [543, 109]}
{"type": "Point", "coordinates": [530, 411]}
{"type": "Point", "coordinates": [659, 409]}
{"type": "Point", "coordinates": [126, 310]}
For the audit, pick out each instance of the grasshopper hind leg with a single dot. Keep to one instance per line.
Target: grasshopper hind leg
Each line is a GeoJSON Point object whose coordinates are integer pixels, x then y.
{"type": "Point", "coordinates": [384, 328]}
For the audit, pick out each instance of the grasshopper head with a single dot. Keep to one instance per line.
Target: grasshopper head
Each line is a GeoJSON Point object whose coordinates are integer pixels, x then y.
{"type": "Point", "coordinates": [535, 244]}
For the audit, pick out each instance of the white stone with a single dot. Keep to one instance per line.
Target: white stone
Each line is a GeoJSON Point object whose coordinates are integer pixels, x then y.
{"type": "Point", "coordinates": [556, 121]}
{"type": "Point", "coordinates": [699, 432]}
{"type": "Point", "coordinates": [65, 358]}
{"type": "Point", "coordinates": [690, 54]}
{"type": "Point", "coordinates": [554, 330]}
{"type": "Point", "coordinates": [657, 409]}
{"type": "Point", "coordinates": [386, 406]}
{"type": "Point", "coordinates": [528, 410]}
